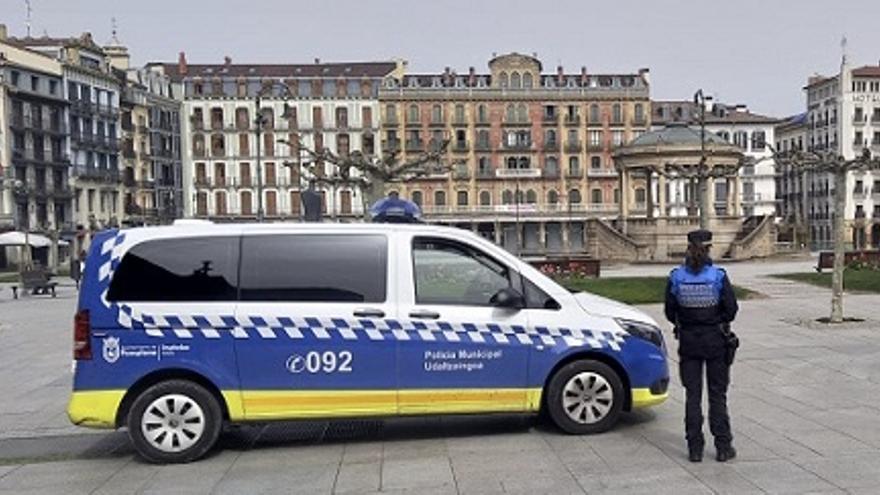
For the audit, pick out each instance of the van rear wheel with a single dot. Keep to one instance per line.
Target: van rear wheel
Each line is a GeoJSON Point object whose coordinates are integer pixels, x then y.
{"type": "Point", "coordinates": [174, 421]}
{"type": "Point", "coordinates": [585, 397]}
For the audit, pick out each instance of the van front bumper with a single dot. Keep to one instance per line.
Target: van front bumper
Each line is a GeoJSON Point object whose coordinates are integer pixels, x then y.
{"type": "Point", "coordinates": [647, 397]}
{"type": "Point", "coordinates": [94, 408]}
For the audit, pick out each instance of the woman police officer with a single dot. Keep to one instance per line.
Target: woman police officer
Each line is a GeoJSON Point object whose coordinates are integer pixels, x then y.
{"type": "Point", "coordinates": [700, 302]}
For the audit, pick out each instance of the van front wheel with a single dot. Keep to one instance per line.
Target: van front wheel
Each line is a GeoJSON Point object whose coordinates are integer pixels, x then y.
{"type": "Point", "coordinates": [174, 421]}
{"type": "Point", "coordinates": [585, 397]}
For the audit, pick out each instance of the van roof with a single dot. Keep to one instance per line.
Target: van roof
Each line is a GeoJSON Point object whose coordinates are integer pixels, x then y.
{"type": "Point", "coordinates": [205, 227]}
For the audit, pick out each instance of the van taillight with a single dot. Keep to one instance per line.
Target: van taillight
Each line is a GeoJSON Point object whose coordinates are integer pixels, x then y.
{"type": "Point", "coordinates": [82, 342]}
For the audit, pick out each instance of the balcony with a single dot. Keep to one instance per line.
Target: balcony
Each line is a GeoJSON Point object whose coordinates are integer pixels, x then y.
{"type": "Point", "coordinates": [518, 173]}
{"type": "Point", "coordinates": [415, 145]}
{"type": "Point", "coordinates": [572, 120]}
{"type": "Point", "coordinates": [550, 173]}
{"type": "Point", "coordinates": [482, 123]}
{"type": "Point", "coordinates": [391, 145]}
{"type": "Point", "coordinates": [859, 120]}
{"type": "Point", "coordinates": [482, 146]}
{"type": "Point", "coordinates": [594, 147]}
{"type": "Point", "coordinates": [459, 122]}
{"type": "Point", "coordinates": [551, 146]}
{"type": "Point", "coordinates": [552, 119]}
{"type": "Point", "coordinates": [575, 174]}
{"type": "Point", "coordinates": [461, 173]}
{"type": "Point", "coordinates": [602, 172]}
{"type": "Point", "coordinates": [573, 147]}
{"type": "Point", "coordinates": [413, 123]}
{"type": "Point", "coordinates": [517, 147]}
{"type": "Point", "coordinates": [435, 145]}
{"type": "Point", "coordinates": [875, 118]}
{"type": "Point", "coordinates": [390, 121]}
{"type": "Point", "coordinates": [437, 123]}
{"type": "Point", "coordinates": [486, 173]}
{"type": "Point", "coordinates": [461, 146]}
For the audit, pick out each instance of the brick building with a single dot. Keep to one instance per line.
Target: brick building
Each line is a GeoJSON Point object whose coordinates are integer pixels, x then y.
{"type": "Point", "coordinates": [531, 150]}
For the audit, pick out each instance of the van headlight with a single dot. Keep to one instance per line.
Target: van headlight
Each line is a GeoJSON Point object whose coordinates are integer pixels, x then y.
{"type": "Point", "coordinates": [642, 330]}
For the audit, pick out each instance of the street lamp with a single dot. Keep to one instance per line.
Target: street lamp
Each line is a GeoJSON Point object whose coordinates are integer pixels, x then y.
{"type": "Point", "coordinates": [14, 186]}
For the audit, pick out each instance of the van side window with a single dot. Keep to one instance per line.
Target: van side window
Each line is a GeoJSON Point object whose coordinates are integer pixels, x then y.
{"type": "Point", "coordinates": [537, 298]}
{"type": "Point", "coordinates": [447, 272]}
{"type": "Point", "coordinates": [314, 268]}
{"type": "Point", "coordinates": [193, 269]}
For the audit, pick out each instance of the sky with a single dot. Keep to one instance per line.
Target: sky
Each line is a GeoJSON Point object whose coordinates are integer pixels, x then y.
{"type": "Point", "coordinates": [756, 52]}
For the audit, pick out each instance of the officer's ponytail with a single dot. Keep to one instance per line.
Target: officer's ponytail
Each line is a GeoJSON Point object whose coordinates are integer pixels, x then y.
{"type": "Point", "coordinates": [696, 257]}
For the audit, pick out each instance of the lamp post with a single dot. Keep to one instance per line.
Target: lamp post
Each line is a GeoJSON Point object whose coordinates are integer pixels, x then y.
{"type": "Point", "coordinates": [702, 181]}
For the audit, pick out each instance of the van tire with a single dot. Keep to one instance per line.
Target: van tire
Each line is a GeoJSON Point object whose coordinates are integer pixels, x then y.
{"type": "Point", "coordinates": [585, 397]}
{"type": "Point", "coordinates": [186, 415]}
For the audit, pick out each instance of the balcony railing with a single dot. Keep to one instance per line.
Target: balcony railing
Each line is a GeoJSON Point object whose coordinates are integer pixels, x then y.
{"type": "Point", "coordinates": [572, 120]}
{"type": "Point", "coordinates": [415, 145]}
{"type": "Point", "coordinates": [513, 173]}
{"type": "Point", "coordinates": [461, 146]}
{"type": "Point", "coordinates": [551, 146]}
{"type": "Point", "coordinates": [518, 146]}
{"type": "Point", "coordinates": [550, 119]}
{"type": "Point", "coordinates": [482, 146]}
{"type": "Point", "coordinates": [601, 172]}
{"type": "Point", "coordinates": [573, 146]}
{"type": "Point", "coordinates": [860, 119]}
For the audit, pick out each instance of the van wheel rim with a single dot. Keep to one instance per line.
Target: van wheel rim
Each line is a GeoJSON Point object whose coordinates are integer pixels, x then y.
{"type": "Point", "coordinates": [587, 398]}
{"type": "Point", "coordinates": [173, 423]}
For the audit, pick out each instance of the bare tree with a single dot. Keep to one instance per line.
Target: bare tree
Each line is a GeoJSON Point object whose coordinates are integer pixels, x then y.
{"type": "Point", "coordinates": [838, 167]}
{"type": "Point", "coordinates": [369, 173]}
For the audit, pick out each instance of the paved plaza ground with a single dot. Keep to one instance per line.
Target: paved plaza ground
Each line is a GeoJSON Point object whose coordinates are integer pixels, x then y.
{"type": "Point", "coordinates": [805, 404]}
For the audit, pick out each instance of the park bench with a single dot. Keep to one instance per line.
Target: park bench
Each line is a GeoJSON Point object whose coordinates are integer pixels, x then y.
{"type": "Point", "coordinates": [36, 281]}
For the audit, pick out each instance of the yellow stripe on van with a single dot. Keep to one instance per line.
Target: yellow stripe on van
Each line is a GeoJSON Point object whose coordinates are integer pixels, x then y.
{"type": "Point", "coordinates": [94, 408]}
{"type": "Point", "coordinates": [276, 404]}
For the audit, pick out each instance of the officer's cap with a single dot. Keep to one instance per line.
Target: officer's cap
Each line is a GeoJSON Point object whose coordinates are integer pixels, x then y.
{"type": "Point", "coordinates": [700, 237]}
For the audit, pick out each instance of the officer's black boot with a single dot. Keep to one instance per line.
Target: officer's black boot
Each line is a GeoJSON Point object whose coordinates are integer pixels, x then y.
{"type": "Point", "coordinates": [725, 453]}
{"type": "Point", "coordinates": [695, 454]}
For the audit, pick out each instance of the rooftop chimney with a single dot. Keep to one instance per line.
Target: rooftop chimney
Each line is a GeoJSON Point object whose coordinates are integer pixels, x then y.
{"type": "Point", "coordinates": [227, 60]}
{"type": "Point", "coordinates": [559, 75]}
{"type": "Point", "coordinates": [583, 75]}
{"type": "Point", "coordinates": [645, 74]}
{"type": "Point", "coordinates": [472, 77]}
{"type": "Point", "coordinates": [317, 60]}
{"type": "Point", "coordinates": [181, 64]}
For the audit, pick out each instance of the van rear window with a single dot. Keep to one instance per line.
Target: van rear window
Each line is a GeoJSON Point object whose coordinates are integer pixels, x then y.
{"type": "Point", "coordinates": [314, 267]}
{"type": "Point", "coordinates": [193, 269]}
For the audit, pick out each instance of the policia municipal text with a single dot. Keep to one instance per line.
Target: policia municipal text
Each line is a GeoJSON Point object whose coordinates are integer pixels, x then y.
{"type": "Point", "coordinates": [700, 302]}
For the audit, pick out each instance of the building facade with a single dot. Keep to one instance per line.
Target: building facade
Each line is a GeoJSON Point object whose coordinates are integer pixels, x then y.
{"type": "Point", "coordinates": [843, 116]}
{"type": "Point", "coordinates": [530, 151]}
{"type": "Point", "coordinates": [92, 91]}
{"type": "Point", "coordinates": [152, 170]}
{"type": "Point", "coordinates": [35, 193]}
{"type": "Point", "coordinates": [318, 106]}
{"type": "Point", "coordinates": [735, 124]}
{"type": "Point", "coordinates": [792, 193]}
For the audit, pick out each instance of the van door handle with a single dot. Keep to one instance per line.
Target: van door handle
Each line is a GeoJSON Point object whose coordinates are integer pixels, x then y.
{"type": "Point", "coordinates": [425, 315]}
{"type": "Point", "coordinates": [369, 313]}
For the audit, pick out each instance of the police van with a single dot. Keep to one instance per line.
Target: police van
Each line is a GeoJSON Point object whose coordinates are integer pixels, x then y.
{"type": "Point", "coordinates": [183, 328]}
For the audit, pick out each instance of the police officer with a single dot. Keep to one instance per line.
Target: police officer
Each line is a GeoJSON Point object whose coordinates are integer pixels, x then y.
{"type": "Point", "coordinates": [700, 302]}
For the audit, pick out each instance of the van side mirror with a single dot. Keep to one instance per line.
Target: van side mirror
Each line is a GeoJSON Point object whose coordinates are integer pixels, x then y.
{"type": "Point", "coordinates": [508, 298]}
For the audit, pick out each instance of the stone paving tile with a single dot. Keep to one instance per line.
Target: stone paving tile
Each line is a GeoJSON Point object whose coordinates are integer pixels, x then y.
{"type": "Point", "coordinates": [782, 476]}
{"type": "Point", "coordinates": [289, 470]}
{"type": "Point", "coordinates": [77, 476]}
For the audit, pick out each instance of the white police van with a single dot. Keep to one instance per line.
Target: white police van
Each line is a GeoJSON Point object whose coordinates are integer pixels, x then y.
{"type": "Point", "coordinates": [182, 328]}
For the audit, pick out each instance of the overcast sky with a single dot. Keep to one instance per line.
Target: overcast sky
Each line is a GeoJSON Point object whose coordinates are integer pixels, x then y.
{"type": "Point", "coordinates": [758, 52]}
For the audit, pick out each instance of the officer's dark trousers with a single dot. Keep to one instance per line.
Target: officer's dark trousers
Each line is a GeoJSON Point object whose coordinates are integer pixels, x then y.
{"type": "Point", "coordinates": [691, 367]}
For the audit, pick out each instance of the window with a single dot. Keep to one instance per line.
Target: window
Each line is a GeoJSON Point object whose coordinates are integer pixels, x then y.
{"type": "Point", "coordinates": [617, 138]}
{"type": "Point", "coordinates": [574, 196]}
{"type": "Point", "coordinates": [515, 81]}
{"type": "Point", "coordinates": [553, 197]}
{"type": "Point", "coordinates": [531, 197]}
{"type": "Point", "coordinates": [574, 166]}
{"type": "Point", "coordinates": [459, 114]}
{"type": "Point", "coordinates": [482, 115]}
{"type": "Point", "coordinates": [640, 194]}
{"type": "Point", "coordinates": [194, 269]}
{"type": "Point", "coordinates": [437, 114]}
{"type": "Point", "coordinates": [616, 114]}
{"type": "Point", "coordinates": [447, 272]}
{"type": "Point", "coordinates": [596, 196]}
{"type": "Point", "coordinates": [341, 117]}
{"type": "Point", "coordinates": [416, 197]}
{"type": "Point", "coordinates": [485, 198]}
{"type": "Point", "coordinates": [595, 162]}
{"type": "Point", "coordinates": [759, 140]}
{"type": "Point", "coordinates": [412, 114]}
{"type": "Point", "coordinates": [527, 80]}
{"type": "Point", "coordinates": [247, 203]}
{"type": "Point", "coordinates": [522, 113]}
{"type": "Point", "coordinates": [314, 268]}
{"type": "Point", "coordinates": [503, 80]}
{"type": "Point", "coordinates": [35, 83]}
{"type": "Point", "coordinates": [461, 198]}
{"type": "Point", "coordinates": [595, 138]}
{"type": "Point", "coordinates": [639, 114]}
{"type": "Point", "coordinates": [594, 113]}
{"type": "Point", "coordinates": [439, 198]}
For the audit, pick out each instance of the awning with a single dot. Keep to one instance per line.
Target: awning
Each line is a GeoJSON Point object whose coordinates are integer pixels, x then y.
{"type": "Point", "coordinates": [35, 240]}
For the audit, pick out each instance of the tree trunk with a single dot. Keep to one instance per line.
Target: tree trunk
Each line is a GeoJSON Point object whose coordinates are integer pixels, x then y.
{"type": "Point", "coordinates": [703, 184]}
{"type": "Point", "coordinates": [839, 247]}
{"type": "Point", "coordinates": [373, 193]}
